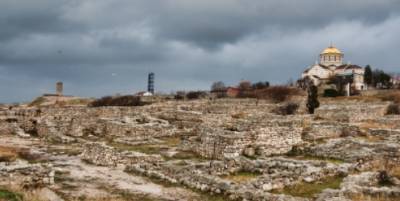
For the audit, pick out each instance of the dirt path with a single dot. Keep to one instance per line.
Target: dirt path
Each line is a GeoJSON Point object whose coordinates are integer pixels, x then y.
{"type": "Point", "coordinates": [77, 178]}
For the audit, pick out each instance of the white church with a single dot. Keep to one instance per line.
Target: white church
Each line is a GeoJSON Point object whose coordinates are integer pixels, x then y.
{"type": "Point", "coordinates": [331, 64]}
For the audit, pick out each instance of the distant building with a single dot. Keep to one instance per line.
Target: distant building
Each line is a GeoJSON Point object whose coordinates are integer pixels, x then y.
{"type": "Point", "coordinates": [232, 91]}
{"type": "Point", "coordinates": [143, 93]}
{"type": "Point", "coordinates": [395, 80]}
{"type": "Point", "coordinates": [331, 64]}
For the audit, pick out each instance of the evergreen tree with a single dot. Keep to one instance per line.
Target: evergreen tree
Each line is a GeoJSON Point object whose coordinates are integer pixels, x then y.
{"type": "Point", "coordinates": [381, 79]}
{"type": "Point", "coordinates": [368, 75]}
{"type": "Point", "coordinates": [312, 99]}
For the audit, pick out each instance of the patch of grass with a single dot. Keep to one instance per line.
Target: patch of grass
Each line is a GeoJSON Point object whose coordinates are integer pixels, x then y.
{"type": "Point", "coordinates": [37, 102]}
{"type": "Point", "coordinates": [171, 141]}
{"type": "Point", "coordinates": [145, 148]}
{"type": "Point", "coordinates": [308, 190]}
{"type": "Point", "coordinates": [80, 101]}
{"type": "Point", "coordinates": [9, 196]}
{"type": "Point", "coordinates": [187, 155]}
{"type": "Point", "coordinates": [242, 177]}
{"type": "Point", "coordinates": [209, 197]}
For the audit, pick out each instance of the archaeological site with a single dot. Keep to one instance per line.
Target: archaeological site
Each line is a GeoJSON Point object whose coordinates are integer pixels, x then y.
{"type": "Point", "coordinates": [203, 149]}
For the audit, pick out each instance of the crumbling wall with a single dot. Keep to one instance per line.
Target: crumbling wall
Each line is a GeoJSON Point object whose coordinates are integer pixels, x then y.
{"type": "Point", "coordinates": [351, 111]}
{"type": "Point", "coordinates": [101, 154]}
{"type": "Point", "coordinates": [80, 121]}
{"type": "Point", "coordinates": [249, 137]}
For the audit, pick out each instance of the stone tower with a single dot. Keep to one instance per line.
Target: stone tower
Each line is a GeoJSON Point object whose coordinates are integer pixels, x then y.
{"type": "Point", "coordinates": [59, 88]}
{"type": "Point", "coordinates": [150, 84]}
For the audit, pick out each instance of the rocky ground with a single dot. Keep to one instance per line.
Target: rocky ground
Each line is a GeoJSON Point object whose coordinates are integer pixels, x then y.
{"type": "Point", "coordinates": [226, 149]}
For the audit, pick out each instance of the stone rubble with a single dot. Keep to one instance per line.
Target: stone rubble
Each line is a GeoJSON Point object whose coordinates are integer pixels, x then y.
{"type": "Point", "coordinates": [201, 145]}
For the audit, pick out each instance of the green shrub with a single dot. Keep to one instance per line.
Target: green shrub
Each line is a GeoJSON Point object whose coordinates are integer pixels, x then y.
{"type": "Point", "coordinates": [331, 93]}
{"type": "Point", "coordinates": [10, 196]}
{"type": "Point", "coordinates": [312, 99]}
{"type": "Point", "coordinates": [180, 95]}
{"type": "Point", "coordinates": [276, 93]}
{"type": "Point", "coordinates": [117, 101]}
{"type": "Point", "coordinates": [287, 109]}
{"type": "Point", "coordinates": [191, 95]}
{"type": "Point", "coordinates": [393, 109]}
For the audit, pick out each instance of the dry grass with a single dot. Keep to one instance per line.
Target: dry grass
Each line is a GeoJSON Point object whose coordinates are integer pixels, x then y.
{"type": "Point", "coordinates": [239, 115]}
{"type": "Point", "coordinates": [392, 167]}
{"type": "Point", "coordinates": [8, 154]}
{"type": "Point", "coordinates": [361, 197]}
{"type": "Point", "coordinates": [371, 124]}
{"type": "Point", "coordinates": [366, 99]}
{"type": "Point", "coordinates": [171, 141]}
{"type": "Point", "coordinates": [395, 171]}
{"type": "Point", "coordinates": [242, 177]}
{"type": "Point", "coordinates": [370, 138]}
{"type": "Point", "coordinates": [37, 102]}
{"type": "Point", "coordinates": [80, 101]}
{"type": "Point", "coordinates": [393, 96]}
{"type": "Point", "coordinates": [308, 190]}
{"type": "Point", "coordinates": [16, 193]}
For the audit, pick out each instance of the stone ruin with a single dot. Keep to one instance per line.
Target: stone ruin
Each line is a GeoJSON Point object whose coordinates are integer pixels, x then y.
{"type": "Point", "coordinates": [203, 145]}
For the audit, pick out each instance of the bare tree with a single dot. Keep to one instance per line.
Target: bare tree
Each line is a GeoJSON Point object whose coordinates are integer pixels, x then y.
{"type": "Point", "coordinates": [218, 86]}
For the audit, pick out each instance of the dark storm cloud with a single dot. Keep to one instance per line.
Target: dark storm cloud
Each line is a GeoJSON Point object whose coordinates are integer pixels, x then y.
{"type": "Point", "coordinates": [22, 18]}
{"type": "Point", "coordinates": [212, 23]}
{"type": "Point", "coordinates": [99, 47]}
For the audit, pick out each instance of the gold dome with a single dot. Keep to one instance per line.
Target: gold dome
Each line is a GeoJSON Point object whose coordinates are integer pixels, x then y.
{"type": "Point", "coordinates": [331, 50]}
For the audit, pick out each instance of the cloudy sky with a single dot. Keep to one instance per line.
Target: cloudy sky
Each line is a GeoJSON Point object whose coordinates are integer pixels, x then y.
{"type": "Point", "coordinates": [103, 47]}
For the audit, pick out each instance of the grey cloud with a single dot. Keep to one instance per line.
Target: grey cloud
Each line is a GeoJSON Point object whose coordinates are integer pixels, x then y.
{"type": "Point", "coordinates": [188, 44]}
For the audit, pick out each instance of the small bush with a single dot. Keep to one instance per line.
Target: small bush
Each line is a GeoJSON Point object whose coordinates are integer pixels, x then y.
{"type": "Point", "coordinates": [117, 101]}
{"type": "Point", "coordinates": [331, 93]}
{"type": "Point", "coordinates": [196, 95]}
{"type": "Point", "coordinates": [287, 109]}
{"type": "Point", "coordinates": [277, 93]}
{"type": "Point", "coordinates": [5, 194]}
{"type": "Point", "coordinates": [384, 178]}
{"type": "Point", "coordinates": [393, 109]}
{"type": "Point", "coordinates": [312, 99]}
{"type": "Point", "coordinates": [180, 95]}
{"type": "Point", "coordinates": [394, 97]}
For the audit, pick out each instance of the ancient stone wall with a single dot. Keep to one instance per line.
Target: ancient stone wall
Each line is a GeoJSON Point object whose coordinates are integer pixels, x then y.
{"type": "Point", "coordinates": [351, 111]}
{"type": "Point", "coordinates": [264, 137]}
{"type": "Point", "coordinates": [101, 154]}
